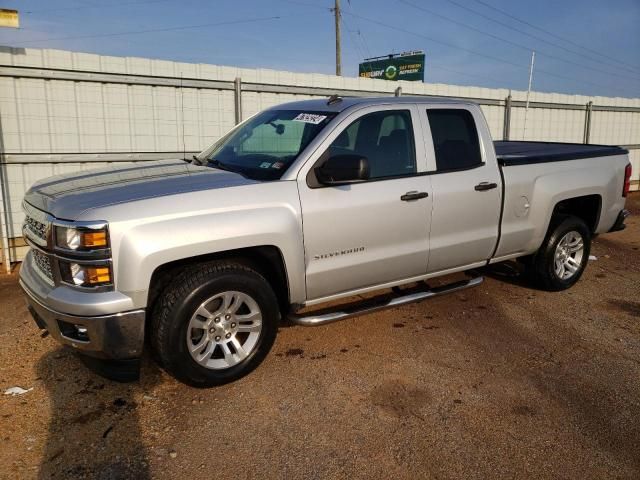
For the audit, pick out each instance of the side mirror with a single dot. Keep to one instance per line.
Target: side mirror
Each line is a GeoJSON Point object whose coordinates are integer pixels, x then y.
{"type": "Point", "coordinates": [341, 169]}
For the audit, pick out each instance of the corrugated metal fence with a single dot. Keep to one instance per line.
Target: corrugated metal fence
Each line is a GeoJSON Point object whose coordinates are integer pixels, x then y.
{"type": "Point", "coordinates": [66, 111]}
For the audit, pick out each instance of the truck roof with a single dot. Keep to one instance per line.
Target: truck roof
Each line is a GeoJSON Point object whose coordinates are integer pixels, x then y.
{"type": "Point", "coordinates": [321, 104]}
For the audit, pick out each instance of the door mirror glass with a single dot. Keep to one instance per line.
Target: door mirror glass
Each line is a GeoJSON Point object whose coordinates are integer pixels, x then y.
{"type": "Point", "coordinates": [345, 168]}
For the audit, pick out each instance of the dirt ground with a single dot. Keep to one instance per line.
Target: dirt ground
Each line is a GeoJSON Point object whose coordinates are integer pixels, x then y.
{"type": "Point", "coordinates": [498, 381]}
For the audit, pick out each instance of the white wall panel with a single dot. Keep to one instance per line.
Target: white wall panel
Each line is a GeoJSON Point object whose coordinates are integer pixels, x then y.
{"type": "Point", "coordinates": [553, 125]}
{"type": "Point", "coordinates": [615, 127]}
{"type": "Point", "coordinates": [634, 156]}
{"type": "Point", "coordinates": [495, 118]}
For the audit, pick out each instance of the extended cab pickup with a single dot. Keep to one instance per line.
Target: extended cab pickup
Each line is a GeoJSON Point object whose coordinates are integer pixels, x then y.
{"type": "Point", "coordinates": [303, 204]}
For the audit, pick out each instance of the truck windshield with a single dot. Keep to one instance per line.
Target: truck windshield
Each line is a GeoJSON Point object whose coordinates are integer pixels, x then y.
{"type": "Point", "coordinates": [265, 146]}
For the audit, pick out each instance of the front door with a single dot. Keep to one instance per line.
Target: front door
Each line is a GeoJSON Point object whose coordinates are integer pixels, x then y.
{"type": "Point", "coordinates": [365, 234]}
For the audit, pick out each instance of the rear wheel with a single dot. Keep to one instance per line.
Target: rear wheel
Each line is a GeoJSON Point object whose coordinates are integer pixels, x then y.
{"type": "Point", "coordinates": [563, 256]}
{"type": "Point", "coordinates": [215, 323]}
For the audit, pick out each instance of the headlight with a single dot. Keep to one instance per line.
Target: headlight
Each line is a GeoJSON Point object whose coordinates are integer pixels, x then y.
{"type": "Point", "coordinates": [82, 238]}
{"type": "Point", "coordinates": [85, 275]}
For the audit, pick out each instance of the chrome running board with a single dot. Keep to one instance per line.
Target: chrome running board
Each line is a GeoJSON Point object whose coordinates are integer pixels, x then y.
{"type": "Point", "coordinates": [325, 316]}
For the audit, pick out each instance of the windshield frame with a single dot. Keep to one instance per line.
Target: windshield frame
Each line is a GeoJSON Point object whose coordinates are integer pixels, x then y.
{"type": "Point", "coordinates": [257, 173]}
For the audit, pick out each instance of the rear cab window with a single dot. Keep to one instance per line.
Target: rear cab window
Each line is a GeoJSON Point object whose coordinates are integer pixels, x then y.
{"type": "Point", "coordinates": [455, 139]}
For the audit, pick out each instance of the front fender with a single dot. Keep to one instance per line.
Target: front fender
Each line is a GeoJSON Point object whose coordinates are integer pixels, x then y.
{"type": "Point", "coordinates": [191, 225]}
{"type": "Point", "coordinates": [146, 247]}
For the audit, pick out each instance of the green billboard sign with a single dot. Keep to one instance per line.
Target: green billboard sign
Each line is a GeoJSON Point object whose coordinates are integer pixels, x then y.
{"type": "Point", "coordinates": [406, 66]}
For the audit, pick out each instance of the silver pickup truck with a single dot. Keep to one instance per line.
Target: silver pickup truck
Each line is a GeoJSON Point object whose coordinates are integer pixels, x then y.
{"type": "Point", "coordinates": [300, 205]}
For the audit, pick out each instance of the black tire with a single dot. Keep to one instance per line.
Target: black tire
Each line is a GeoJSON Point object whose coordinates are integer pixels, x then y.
{"type": "Point", "coordinates": [178, 303]}
{"type": "Point", "coordinates": [541, 267]}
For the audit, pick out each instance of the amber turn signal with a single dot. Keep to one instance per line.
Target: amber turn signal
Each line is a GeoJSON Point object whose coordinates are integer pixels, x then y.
{"type": "Point", "coordinates": [98, 275]}
{"type": "Point", "coordinates": [94, 239]}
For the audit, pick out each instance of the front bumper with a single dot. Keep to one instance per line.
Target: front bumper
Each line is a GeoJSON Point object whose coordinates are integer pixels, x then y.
{"type": "Point", "coordinates": [619, 225]}
{"type": "Point", "coordinates": [118, 336]}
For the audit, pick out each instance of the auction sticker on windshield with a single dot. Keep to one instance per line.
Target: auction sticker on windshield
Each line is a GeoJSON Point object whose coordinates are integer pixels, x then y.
{"type": "Point", "coordinates": [310, 118]}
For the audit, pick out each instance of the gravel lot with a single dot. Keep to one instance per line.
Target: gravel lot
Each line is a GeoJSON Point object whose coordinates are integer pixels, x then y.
{"type": "Point", "coordinates": [498, 381]}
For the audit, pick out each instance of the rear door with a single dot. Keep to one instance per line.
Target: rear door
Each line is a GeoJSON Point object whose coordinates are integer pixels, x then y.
{"type": "Point", "coordinates": [366, 234]}
{"type": "Point", "coordinates": [466, 185]}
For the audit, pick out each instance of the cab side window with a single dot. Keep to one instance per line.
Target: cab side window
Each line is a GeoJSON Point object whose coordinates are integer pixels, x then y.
{"type": "Point", "coordinates": [455, 139]}
{"type": "Point", "coordinates": [385, 138]}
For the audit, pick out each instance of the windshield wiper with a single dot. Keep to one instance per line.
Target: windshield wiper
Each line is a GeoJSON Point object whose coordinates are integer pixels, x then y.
{"type": "Point", "coordinates": [216, 164]}
{"type": "Point", "coordinates": [195, 160]}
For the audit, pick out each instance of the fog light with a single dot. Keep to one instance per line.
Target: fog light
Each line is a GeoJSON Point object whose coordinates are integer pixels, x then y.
{"type": "Point", "coordinates": [73, 331]}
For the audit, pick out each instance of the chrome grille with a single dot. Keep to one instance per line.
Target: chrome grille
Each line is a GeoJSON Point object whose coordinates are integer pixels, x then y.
{"type": "Point", "coordinates": [39, 229]}
{"type": "Point", "coordinates": [43, 264]}
{"type": "Point", "coordinates": [36, 225]}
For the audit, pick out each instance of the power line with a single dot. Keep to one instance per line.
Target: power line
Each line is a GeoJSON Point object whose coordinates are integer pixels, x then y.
{"type": "Point", "coordinates": [356, 45]}
{"type": "Point", "coordinates": [475, 75]}
{"type": "Point", "coordinates": [515, 44]}
{"type": "Point", "coordinates": [474, 52]}
{"type": "Point", "coordinates": [152, 30]}
{"type": "Point", "coordinates": [524, 22]}
{"type": "Point", "coordinates": [307, 4]}
{"type": "Point", "coordinates": [360, 35]}
{"type": "Point", "coordinates": [435, 40]}
{"type": "Point", "coordinates": [110, 5]}
{"type": "Point", "coordinates": [536, 37]}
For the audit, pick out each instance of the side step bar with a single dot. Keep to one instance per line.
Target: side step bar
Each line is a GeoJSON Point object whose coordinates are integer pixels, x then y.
{"type": "Point", "coordinates": [378, 303]}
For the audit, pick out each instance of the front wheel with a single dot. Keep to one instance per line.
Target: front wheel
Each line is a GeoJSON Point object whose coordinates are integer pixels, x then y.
{"type": "Point", "coordinates": [215, 323]}
{"type": "Point", "coordinates": [563, 256]}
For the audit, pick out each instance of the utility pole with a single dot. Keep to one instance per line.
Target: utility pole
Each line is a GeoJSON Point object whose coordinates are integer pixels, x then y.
{"type": "Point", "coordinates": [336, 11]}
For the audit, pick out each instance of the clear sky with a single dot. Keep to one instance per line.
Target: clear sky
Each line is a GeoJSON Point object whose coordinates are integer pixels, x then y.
{"type": "Point", "coordinates": [589, 47]}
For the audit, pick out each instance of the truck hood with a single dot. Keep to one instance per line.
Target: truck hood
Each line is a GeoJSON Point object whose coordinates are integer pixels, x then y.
{"type": "Point", "coordinates": [68, 196]}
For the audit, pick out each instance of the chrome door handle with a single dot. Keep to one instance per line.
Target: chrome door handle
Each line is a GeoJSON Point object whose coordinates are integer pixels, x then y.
{"type": "Point", "coordinates": [409, 196]}
{"type": "Point", "coordinates": [481, 187]}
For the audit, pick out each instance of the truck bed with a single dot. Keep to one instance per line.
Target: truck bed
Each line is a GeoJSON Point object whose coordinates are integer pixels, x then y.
{"type": "Point", "coordinates": [523, 153]}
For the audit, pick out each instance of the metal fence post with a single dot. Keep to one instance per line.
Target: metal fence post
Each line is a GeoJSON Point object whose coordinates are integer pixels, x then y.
{"type": "Point", "coordinates": [506, 129]}
{"type": "Point", "coordinates": [237, 90]}
{"type": "Point", "coordinates": [4, 202]}
{"type": "Point", "coordinates": [587, 122]}
{"type": "Point", "coordinates": [4, 232]}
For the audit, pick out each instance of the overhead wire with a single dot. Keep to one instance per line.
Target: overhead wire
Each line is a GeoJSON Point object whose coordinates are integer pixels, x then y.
{"type": "Point", "coordinates": [350, 12]}
{"type": "Point", "coordinates": [515, 44]}
{"type": "Point", "coordinates": [520, 31]}
{"type": "Point", "coordinates": [483, 77]}
{"type": "Point", "coordinates": [360, 34]}
{"type": "Point", "coordinates": [151, 30]}
{"type": "Point", "coordinates": [529, 24]}
{"type": "Point", "coordinates": [355, 44]}
{"type": "Point", "coordinates": [103, 5]}
{"type": "Point", "coordinates": [474, 52]}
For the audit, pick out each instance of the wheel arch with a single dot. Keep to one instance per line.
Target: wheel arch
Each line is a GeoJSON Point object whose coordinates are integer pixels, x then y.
{"type": "Point", "coordinates": [586, 207]}
{"type": "Point", "coordinates": [267, 260]}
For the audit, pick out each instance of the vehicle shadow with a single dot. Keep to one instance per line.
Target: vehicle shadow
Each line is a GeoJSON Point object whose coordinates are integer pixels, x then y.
{"type": "Point", "coordinates": [94, 430]}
